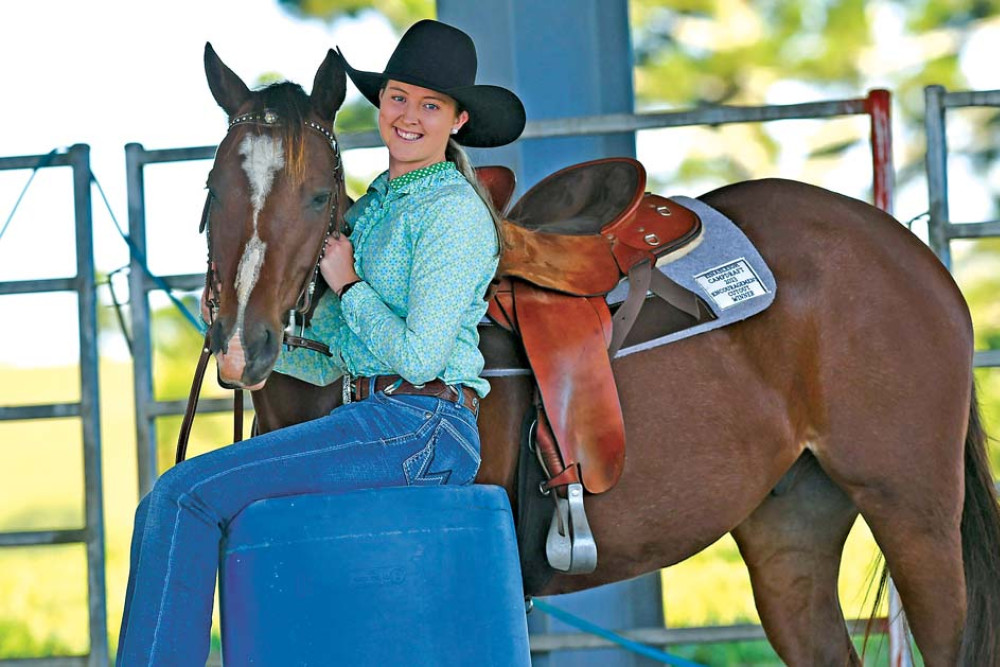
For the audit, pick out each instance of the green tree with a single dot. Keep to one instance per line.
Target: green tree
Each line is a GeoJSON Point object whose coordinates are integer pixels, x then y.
{"type": "Point", "coordinates": [697, 52]}
{"type": "Point", "coordinates": [401, 13]}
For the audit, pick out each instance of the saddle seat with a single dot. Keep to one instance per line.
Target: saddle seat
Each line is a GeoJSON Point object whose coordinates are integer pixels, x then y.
{"type": "Point", "coordinates": [568, 242]}
{"type": "Point", "coordinates": [581, 229]}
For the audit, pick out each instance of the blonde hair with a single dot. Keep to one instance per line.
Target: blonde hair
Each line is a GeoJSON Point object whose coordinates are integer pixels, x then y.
{"type": "Point", "coordinates": [455, 153]}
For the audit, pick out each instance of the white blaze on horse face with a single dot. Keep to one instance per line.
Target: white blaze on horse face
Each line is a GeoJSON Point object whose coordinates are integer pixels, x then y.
{"type": "Point", "coordinates": [263, 157]}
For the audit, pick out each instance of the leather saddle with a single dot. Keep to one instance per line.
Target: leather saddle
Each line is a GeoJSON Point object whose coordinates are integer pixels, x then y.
{"type": "Point", "coordinates": [569, 241]}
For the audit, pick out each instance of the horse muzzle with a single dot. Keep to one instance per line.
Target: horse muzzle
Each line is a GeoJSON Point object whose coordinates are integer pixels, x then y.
{"type": "Point", "coordinates": [247, 356]}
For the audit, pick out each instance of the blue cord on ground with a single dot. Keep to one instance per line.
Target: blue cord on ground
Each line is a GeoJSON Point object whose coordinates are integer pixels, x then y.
{"type": "Point", "coordinates": [634, 646]}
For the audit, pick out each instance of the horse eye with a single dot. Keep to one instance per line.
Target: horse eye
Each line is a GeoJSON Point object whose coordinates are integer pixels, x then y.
{"type": "Point", "coordinates": [320, 200]}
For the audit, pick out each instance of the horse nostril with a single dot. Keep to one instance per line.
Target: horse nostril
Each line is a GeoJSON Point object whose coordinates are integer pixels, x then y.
{"type": "Point", "coordinates": [265, 344]}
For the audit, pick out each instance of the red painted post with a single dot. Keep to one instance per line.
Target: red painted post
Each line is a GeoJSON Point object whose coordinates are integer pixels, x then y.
{"type": "Point", "coordinates": [879, 106]}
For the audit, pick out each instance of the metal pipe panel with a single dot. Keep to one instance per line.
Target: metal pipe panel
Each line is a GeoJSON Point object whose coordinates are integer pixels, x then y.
{"type": "Point", "coordinates": [205, 406]}
{"type": "Point", "coordinates": [715, 115]}
{"type": "Point", "coordinates": [142, 367]}
{"type": "Point", "coordinates": [937, 172]}
{"type": "Point", "coordinates": [88, 409]}
{"type": "Point", "coordinates": [66, 661]}
{"type": "Point", "coordinates": [38, 286]}
{"type": "Point", "coordinates": [986, 358]}
{"type": "Point", "coordinates": [666, 637]}
{"type": "Point", "coordinates": [32, 161]}
{"type": "Point", "coordinates": [973, 230]}
{"type": "Point", "coordinates": [46, 411]}
{"type": "Point", "coordinates": [41, 537]}
{"type": "Point", "coordinates": [90, 406]}
{"type": "Point", "coordinates": [189, 282]}
{"type": "Point", "coordinates": [972, 98]}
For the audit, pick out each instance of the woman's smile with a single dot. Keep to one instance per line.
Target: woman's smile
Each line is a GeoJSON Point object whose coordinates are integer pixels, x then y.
{"type": "Point", "coordinates": [407, 136]}
{"type": "Point", "coordinates": [415, 124]}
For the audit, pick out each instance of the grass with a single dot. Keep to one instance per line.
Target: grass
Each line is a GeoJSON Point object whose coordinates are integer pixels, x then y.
{"type": "Point", "coordinates": [43, 589]}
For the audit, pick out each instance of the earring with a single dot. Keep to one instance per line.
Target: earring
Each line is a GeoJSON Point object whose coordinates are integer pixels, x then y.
{"type": "Point", "coordinates": [454, 130]}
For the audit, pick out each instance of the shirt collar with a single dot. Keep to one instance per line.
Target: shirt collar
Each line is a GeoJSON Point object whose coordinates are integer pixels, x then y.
{"type": "Point", "coordinates": [412, 180]}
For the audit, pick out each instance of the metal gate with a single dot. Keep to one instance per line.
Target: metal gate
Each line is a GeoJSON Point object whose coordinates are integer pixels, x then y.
{"type": "Point", "coordinates": [91, 534]}
{"type": "Point", "coordinates": [941, 229]}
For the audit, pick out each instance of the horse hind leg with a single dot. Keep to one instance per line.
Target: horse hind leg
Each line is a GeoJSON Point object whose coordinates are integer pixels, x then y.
{"type": "Point", "coordinates": [792, 546]}
{"type": "Point", "coordinates": [909, 489]}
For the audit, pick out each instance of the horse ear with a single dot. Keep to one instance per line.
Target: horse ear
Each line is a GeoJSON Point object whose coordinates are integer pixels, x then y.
{"type": "Point", "coordinates": [329, 87]}
{"type": "Point", "coordinates": [228, 89]}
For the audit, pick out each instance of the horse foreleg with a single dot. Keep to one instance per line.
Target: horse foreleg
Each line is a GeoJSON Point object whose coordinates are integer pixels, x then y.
{"type": "Point", "coordinates": [792, 546]}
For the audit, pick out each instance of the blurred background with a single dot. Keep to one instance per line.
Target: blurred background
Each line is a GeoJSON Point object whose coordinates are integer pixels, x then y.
{"type": "Point", "coordinates": [109, 72]}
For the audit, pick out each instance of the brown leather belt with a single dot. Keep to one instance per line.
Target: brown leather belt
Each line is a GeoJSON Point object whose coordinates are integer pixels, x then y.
{"type": "Point", "coordinates": [468, 398]}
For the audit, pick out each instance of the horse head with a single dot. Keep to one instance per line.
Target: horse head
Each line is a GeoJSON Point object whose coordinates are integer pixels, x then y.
{"type": "Point", "coordinates": [276, 191]}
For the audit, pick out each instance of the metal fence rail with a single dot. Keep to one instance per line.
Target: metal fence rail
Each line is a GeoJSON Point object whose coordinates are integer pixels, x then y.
{"type": "Point", "coordinates": [666, 638]}
{"type": "Point", "coordinates": [940, 227]}
{"type": "Point", "coordinates": [91, 535]}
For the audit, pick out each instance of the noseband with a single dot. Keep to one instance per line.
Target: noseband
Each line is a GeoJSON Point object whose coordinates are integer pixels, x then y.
{"type": "Point", "coordinates": [303, 304]}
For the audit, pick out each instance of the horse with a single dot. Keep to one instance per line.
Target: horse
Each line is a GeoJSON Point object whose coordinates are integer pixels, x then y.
{"type": "Point", "coordinates": [853, 393]}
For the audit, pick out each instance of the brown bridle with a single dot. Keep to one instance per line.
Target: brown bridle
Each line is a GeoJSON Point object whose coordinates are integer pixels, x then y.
{"type": "Point", "coordinates": [303, 303]}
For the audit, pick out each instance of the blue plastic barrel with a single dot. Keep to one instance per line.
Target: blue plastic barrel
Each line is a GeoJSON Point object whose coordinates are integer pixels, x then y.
{"type": "Point", "coordinates": [401, 576]}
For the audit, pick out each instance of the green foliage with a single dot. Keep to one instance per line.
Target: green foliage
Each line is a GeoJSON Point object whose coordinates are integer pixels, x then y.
{"type": "Point", "coordinates": [267, 78]}
{"type": "Point", "coordinates": [401, 13]}
{"type": "Point", "coordinates": [356, 116]}
{"type": "Point", "coordinates": [692, 52]}
{"type": "Point", "coordinates": [931, 14]}
{"type": "Point", "coordinates": [18, 641]}
{"type": "Point", "coordinates": [728, 51]}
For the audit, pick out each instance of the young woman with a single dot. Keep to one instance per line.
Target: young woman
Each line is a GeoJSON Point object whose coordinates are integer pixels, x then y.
{"type": "Point", "coordinates": [406, 295]}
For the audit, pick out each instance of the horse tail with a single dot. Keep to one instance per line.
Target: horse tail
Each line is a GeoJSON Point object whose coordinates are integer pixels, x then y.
{"type": "Point", "coordinates": [980, 549]}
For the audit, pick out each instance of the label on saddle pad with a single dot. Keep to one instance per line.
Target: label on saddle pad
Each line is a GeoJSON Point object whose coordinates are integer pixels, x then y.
{"type": "Point", "coordinates": [724, 270]}
{"type": "Point", "coordinates": [731, 283]}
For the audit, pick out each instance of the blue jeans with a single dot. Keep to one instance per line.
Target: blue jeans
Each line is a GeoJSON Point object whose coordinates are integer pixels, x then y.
{"type": "Point", "coordinates": [400, 440]}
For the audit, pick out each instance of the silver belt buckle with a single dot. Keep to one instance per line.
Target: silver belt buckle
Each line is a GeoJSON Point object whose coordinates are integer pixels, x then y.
{"type": "Point", "coordinates": [346, 393]}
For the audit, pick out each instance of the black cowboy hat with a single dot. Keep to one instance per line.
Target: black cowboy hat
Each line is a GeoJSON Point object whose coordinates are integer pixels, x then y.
{"type": "Point", "coordinates": [438, 56]}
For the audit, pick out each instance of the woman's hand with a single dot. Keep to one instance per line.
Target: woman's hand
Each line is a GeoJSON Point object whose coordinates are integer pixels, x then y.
{"type": "Point", "coordinates": [337, 265]}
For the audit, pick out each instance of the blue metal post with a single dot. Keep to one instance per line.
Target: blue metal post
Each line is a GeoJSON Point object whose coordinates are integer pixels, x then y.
{"type": "Point", "coordinates": [564, 58]}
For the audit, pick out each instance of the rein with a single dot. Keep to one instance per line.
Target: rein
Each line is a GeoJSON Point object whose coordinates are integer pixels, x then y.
{"type": "Point", "coordinates": [303, 303]}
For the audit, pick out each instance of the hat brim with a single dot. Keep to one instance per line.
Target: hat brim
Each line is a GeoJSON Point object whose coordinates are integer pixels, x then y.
{"type": "Point", "coordinates": [496, 115]}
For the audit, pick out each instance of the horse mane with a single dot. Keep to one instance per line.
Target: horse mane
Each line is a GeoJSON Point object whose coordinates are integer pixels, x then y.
{"type": "Point", "coordinates": [292, 105]}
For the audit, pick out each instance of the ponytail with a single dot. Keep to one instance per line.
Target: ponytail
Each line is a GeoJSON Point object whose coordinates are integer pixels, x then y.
{"type": "Point", "coordinates": [456, 154]}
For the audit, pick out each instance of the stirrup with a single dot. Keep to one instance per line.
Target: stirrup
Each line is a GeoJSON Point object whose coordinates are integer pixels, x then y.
{"type": "Point", "coordinates": [570, 546]}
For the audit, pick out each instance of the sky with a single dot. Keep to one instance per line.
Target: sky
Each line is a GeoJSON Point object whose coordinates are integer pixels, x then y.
{"type": "Point", "coordinates": [109, 72]}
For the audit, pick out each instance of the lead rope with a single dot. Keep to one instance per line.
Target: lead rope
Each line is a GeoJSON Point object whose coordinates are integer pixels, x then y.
{"type": "Point", "coordinates": [192, 404]}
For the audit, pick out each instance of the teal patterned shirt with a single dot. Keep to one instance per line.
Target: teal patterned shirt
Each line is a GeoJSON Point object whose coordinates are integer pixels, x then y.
{"type": "Point", "coordinates": [426, 250]}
